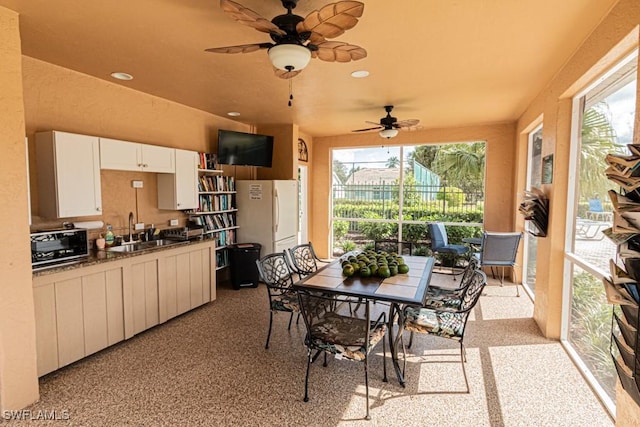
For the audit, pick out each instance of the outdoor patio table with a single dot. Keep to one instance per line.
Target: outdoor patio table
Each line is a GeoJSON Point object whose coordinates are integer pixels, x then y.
{"type": "Point", "coordinates": [399, 290]}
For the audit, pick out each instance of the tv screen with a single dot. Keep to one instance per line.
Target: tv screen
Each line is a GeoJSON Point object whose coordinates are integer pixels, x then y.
{"type": "Point", "coordinates": [244, 149]}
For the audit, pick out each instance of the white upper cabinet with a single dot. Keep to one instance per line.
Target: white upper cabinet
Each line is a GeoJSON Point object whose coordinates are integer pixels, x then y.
{"type": "Point", "coordinates": [68, 175]}
{"type": "Point", "coordinates": [179, 191]}
{"type": "Point", "coordinates": [133, 156]}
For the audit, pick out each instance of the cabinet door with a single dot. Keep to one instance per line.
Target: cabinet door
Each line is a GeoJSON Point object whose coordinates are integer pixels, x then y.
{"type": "Point", "coordinates": [180, 190]}
{"type": "Point", "coordinates": [44, 299]}
{"type": "Point", "coordinates": [186, 179]}
{"type": "Point", "coordinates": [69, 322]}
{"type": "Point", "coordinates": [145, 295]}
{"type": "Point", "coordinates": [94, 308]}
{"type": "Point", "coordinates": [157, 159]}
{"type": "Point", "coordinates": [120, 155]}
{"type": "Point", "coordinates": [68, 175]}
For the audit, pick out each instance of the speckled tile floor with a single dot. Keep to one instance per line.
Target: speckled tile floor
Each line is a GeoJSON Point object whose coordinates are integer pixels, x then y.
{"type": "Point", "coordinates": [209, 367]}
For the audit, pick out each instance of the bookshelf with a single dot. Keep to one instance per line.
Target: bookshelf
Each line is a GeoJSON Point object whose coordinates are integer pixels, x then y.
{"type": "Point", "coordinates": [216, 210]}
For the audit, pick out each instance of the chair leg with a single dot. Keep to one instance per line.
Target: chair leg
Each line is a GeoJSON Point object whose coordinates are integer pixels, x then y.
{"type": "Point", "coordinates": [325, 359]}
{"type": "Point", "coordinates": [306, 378]}
{"type": "Point", "coordinates": [298, 319]}
{"type": "Point", "coordinates": [384, 360]}
{"type": "Point", "coordinates": [410, 339]}
{"type": "Point", "coordinates": [269, 333]}
{"type": "Point", "coordinates": [366, 385]}
{"type": "Point", "coordinates": [290, 319]}
{"type": "Point", "coordinates": [515, 280]}
{"type": "Point", "coordinates": [463, 358]}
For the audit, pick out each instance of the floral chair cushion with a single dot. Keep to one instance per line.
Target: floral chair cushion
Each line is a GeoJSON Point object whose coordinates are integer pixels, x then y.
{"type": "Point", "coordinates": [287, 301]}
{"type": "Point", "coordinates": [443, 301]}
{"type": "Point", "coordinates": [344, 336]}
{"type": "Point", "coordinates": [441, 323]}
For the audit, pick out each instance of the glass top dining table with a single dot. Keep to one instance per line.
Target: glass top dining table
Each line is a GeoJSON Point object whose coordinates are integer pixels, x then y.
{"type": "Point", "coordinates": [399, 290]}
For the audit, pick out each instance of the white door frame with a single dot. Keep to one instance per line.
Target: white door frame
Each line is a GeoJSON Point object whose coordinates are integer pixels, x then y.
{"type": "Point", "coordinates": [303, 223]}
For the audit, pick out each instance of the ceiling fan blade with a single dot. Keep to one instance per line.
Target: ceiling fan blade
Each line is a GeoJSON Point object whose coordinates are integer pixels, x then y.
{"type": "Point", "coordinates": [373, 123]}
{"type": "Point", "coordinates": [406, 123]}
{"type": "Point", "coordinates": [243, 48]}
{"type": "Point", "coordinates": [332, 20]}
{"type": "Point", "coordinates": [284, 74]}
{"type": "Point", "coordinates": [332, 51]}
{"type": "Point", "coordinates": [364, 130]}
{"type": "Point", "coordinates": [250, 18]}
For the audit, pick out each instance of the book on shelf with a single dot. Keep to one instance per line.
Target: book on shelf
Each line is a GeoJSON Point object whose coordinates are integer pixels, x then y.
{"type": "Point", "coordinates": [617, 238]}
{"type": "Point", "coordinates": [207, 161]}
{"type": "Point", "coordinates": [535, 208]}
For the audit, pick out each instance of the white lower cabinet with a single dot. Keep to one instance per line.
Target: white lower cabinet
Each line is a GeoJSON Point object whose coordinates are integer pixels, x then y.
{"type": "Point", "coordinates": [82, 311]}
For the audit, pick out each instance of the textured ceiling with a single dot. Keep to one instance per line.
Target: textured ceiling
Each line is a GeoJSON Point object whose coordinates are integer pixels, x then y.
{"type": "Point", "coordinates": [444, 62]}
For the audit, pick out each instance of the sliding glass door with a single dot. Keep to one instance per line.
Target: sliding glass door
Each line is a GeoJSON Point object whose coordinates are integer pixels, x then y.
{"type": "Point", "coordinates": [534, 179]}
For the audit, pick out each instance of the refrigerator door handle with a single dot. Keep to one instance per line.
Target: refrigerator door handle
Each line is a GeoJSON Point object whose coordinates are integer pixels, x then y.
{"type": "Point", "coordinates": [277, 210]}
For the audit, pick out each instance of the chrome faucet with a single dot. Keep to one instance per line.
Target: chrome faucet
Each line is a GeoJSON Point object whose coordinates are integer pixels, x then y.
{"type": "Point", "coordinates": [130, 226]}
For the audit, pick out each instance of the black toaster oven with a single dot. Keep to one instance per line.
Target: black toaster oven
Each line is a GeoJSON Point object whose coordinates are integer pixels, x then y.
{"type": "Point", "coordinates": [58, 247]}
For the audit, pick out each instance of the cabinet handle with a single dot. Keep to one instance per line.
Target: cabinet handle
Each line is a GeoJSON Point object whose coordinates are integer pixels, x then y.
{"type": "Point", "coordinates": [145, 165]}
{"type": "Point", "coordinates": [98, 208]}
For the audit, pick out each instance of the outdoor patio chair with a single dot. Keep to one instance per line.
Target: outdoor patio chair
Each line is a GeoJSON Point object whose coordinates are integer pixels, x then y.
{"type": "Point", "coordinates": [438, 297]}
{"type": "Point", "coordinates": [440, 245]}
{"type": "Point", "coordinates": [275, 273]}
{"type": "Point", "coordinates": [596, 212]}
{"type": "Point", "coordinates": [303, 259]}
{"type": "Point", "coordinates": [331, 330]}
{"type": "Point", "coordinates": [499, 250]}
{"type": "Point", "coordinates": [445, 322]}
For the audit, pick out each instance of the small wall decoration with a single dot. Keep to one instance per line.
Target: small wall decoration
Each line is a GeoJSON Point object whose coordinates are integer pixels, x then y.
{"type": "Point", "coordinates": [303, 154]}
{"type": "Point", "coordinates": [547, 169]}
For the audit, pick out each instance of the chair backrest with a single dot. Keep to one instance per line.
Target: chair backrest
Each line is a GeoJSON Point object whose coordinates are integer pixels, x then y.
{"type": "Point", "coordinates": [274, 271]}
{"type": "Point", "coordinates": [467, 274]}
{"type": "Point", "coordinates": [438, 235]}
{"type": "Point", "coordinates": [321, 311]}
{"type": "Point", "coordinates": [499, 249]}
{"type": "Point", "coordinates": [473, 291]}
{"type": "Point", "coordinates": [303, 259]}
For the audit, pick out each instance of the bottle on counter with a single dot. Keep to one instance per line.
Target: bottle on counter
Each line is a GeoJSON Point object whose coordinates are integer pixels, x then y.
{"type": "Point", "coordinates": [109, 238]}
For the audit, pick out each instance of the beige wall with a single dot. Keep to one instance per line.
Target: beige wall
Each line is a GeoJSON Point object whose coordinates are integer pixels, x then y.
{"type": "Point", "coordinates": [285, 160]}
{"type": "Point", "coordinates": [614, 38]}
{"type": "Point", "coordinates": [500, 198]}
{"type": "Point", "coordinates": [18, 376]}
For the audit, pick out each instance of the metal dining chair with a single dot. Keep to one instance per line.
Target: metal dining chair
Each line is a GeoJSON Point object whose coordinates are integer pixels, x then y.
{"type": "Point", "coordinates": [348, 336]}
{"type": "Point", "coordinates": [304, 260]}
{"type": "Point", "coordinates": [275, 273]}
{"type": "Point", "coordinates": [440, 245]}
{"type": "Point", "coordinates": [500, 250]}
{"type": "Point", "coordinates": [445, 322]}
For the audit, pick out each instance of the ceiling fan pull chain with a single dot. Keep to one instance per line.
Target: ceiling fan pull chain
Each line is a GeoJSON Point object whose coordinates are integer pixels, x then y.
{"type": "Point", "coordinates": [290, 92]}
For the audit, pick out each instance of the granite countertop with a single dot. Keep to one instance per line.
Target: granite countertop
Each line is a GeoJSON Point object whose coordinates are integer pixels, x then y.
{"type": "Point", "coordinates": [100, 256]}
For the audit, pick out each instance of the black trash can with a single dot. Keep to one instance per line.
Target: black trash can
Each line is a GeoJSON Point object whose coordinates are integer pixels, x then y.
{"type": "Point", "coordinates": [244, 272]}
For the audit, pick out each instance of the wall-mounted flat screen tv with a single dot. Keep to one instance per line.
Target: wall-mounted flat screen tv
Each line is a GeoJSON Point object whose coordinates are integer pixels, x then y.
{"type": "Point", "coordinates": [244, 149]}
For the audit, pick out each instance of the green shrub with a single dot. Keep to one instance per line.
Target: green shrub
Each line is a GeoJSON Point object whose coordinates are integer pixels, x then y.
{"type": "Point", "coordinates": [452, 195]}
{"type": "Point", "coordinates": [340, 229]}
{"type": "Point", "coordinates": [348, 246]}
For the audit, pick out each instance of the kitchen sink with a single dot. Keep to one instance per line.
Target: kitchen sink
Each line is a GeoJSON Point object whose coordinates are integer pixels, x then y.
{"type": "Point", "coordinates": [141, 246]}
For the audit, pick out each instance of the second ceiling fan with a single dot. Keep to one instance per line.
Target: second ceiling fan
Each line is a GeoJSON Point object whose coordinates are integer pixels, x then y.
{"type": "Point", "coordinates": [297, 39]}
{"type": "Point", "coordinates": [389, 125]}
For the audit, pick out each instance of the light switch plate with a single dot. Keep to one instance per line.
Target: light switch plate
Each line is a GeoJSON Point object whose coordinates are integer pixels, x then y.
{"type": "Point", "coordinates": [173, 222]}
{"type": "Point", "coordinates": [136, 184]}
{"type": "Point", "coordinates": [140, 226]}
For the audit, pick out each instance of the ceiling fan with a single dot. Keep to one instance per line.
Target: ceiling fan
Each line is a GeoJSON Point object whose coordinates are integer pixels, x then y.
{"type": "Point", "coordinates": [298, 39]}
{"type": "Point", "coordinates": [389, 125]}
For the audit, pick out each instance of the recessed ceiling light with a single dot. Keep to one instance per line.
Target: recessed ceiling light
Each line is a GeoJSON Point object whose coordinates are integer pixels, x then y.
{"type": "Point", "coordinates": [121, 76]}
{"type": "Point", "coordinates": [233, 114]}
{"type": "Point", "coordinates": [360, 74]}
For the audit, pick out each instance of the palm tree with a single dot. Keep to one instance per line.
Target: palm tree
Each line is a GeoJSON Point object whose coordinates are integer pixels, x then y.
{"type": "Point", "coordinates": [597, 139]}
{"type": "Point", "coordinates": [462, 165]}
{"type": "Point", "coordinates": [392, 162]}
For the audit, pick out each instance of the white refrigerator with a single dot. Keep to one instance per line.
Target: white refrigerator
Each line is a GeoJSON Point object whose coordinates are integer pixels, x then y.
{"type": "Point", "coordinates": [268, 214]}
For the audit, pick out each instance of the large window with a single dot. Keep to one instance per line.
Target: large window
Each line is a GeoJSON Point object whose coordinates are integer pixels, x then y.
{"type": "Point", "coordinates": [534, 179]}
{"type": "Point", "coordinates": [391, 192]}
{"type": "Point", "coordinates": [603, 122]}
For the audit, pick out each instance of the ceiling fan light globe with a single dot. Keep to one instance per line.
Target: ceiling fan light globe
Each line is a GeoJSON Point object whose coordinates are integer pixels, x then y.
{"type": "Point", "coordinates": [388, 133]}
{"type": "Point", "coordinates": [289, 57]}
